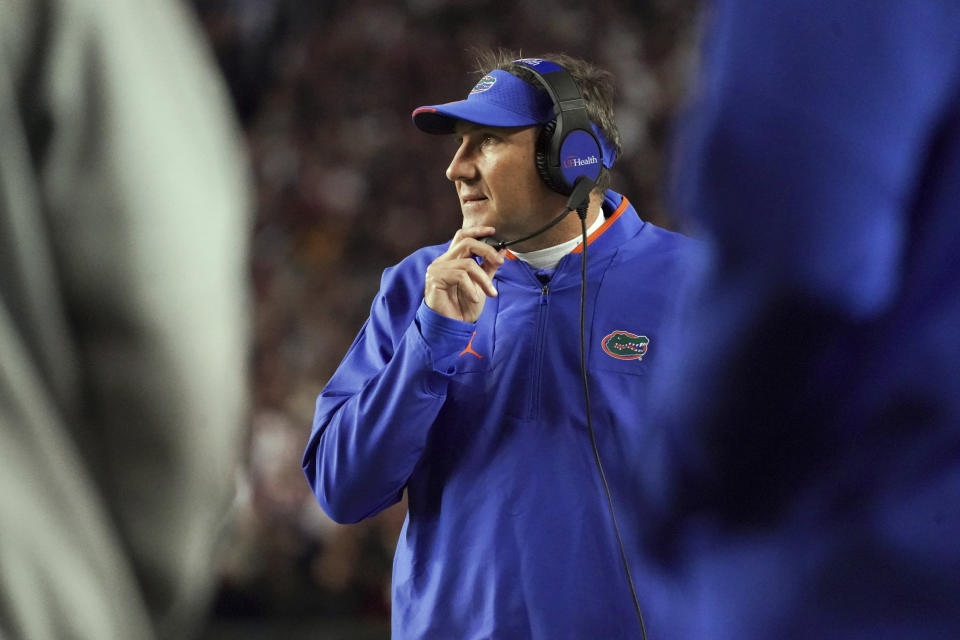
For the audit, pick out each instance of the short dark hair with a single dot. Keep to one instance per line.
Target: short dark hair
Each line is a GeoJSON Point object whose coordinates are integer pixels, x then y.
{"type": "Point", "coordinates": [595, 84]}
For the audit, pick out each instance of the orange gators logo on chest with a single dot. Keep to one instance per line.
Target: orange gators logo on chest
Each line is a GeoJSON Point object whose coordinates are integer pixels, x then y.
{"type": "Point", "coordinates": [624, 345]}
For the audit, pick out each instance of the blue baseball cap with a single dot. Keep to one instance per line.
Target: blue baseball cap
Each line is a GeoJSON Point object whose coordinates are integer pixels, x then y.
{"type": "Point", "coordinates": [499, 99]}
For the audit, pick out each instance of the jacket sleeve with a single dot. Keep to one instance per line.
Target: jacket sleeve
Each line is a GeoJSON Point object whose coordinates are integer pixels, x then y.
{"type": "Point", "coordinates": [374, 415]}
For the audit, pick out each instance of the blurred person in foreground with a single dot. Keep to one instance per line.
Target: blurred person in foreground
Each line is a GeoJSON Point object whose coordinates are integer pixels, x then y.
{"type": "Point", "coordinates": [464, 386]}
{"type": "Point", "coordinates": [808, 475]}
{"type": "Point", "coordinates": [123, 319]}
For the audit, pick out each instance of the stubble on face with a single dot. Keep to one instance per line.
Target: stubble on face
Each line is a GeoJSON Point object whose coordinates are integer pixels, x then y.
{"type": "Point", "coordinates": [496, 179]}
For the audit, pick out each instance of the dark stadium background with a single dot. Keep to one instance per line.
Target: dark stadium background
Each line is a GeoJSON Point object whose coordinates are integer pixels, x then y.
{"type": "Point", "coordinates": [346, 186]}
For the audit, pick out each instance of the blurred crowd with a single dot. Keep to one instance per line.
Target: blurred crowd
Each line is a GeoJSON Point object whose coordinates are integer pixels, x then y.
{"type": "Point", "coordinates": [346, 186]}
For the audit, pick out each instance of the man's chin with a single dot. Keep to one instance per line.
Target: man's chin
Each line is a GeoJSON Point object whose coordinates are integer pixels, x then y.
{"type": "Point", "coordinates": [476, 220]}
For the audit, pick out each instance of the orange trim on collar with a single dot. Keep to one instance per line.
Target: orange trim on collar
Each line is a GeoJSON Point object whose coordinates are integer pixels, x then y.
{"type": "Point", "coordinates": [606, 225]}
{"type": "Point", "coordinates": [593, 236]}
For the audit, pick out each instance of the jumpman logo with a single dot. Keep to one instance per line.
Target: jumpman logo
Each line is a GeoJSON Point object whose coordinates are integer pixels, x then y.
{"type": "Point", "coordinates": [469, 348]}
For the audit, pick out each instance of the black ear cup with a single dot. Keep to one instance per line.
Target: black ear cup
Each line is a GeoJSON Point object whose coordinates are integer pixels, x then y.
{"type": "Point", "coordinates": [567, 148]}
{"type": "Point", "coordinates": [541, 158]}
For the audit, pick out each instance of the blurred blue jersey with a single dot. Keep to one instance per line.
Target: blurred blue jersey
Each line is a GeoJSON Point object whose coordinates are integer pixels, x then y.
{"type": "Point", "coordinates": [810, 478]}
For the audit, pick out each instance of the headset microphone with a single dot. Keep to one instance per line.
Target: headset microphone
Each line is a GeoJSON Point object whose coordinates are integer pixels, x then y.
{"type": "Point", "coordinates": [578, 201]}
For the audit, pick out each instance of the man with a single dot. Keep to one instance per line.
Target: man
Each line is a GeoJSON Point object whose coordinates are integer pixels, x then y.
{"type": "Point", "coordinates": [813, 489]}
{"type": "Point", "coordinates": [123, 319]}
{"type": "Point", "coordinates": [464, 386]}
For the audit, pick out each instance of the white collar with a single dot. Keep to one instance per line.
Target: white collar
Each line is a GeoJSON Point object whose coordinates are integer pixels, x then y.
{"type": "Point", "coordinates": [549, 257]}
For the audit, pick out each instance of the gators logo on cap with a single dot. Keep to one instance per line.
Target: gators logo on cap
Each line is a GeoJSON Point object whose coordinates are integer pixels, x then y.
{"type": "Point", "coordinates": [485, 83]}
{"type": "Point", "coordinates": [624, 345]}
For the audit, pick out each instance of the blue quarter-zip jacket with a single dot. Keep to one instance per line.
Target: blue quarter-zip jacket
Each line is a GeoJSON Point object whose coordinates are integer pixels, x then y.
{"type": "Point", "coordinates": [507, 533]}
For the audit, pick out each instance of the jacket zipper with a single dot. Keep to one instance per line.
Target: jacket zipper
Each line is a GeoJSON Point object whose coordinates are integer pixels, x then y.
{"type": "Point", "coordinates": [535, 394]}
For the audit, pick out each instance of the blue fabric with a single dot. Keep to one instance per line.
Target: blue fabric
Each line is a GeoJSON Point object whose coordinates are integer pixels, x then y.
{"type": "Point", "coordinates": [507, 534]}
{"type": "Point", "coordinates": [806, 480]}
{"type": "Point", "coordinates": [499, 99]}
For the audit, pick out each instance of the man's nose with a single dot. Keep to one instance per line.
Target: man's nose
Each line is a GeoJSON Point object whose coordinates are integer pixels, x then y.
{"type": "Point", "coordinates": [462, 165]}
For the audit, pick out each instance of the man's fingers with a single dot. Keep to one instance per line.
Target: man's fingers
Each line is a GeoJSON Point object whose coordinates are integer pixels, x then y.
{"type": "Point", "coordinates": [466, 243]}
{"type": "Point", "coordinates": [471, 248]}
{"type": "Point", "coordinates": [464, 273]}
{"type": "Point", "coordinates": [476, 277]}
{"type": "Point", "coordinates": [457, 283]}
{"type": "Point", "coordinates": [471, 287]}
{"type": "Point", "coordinates": [491, 264]}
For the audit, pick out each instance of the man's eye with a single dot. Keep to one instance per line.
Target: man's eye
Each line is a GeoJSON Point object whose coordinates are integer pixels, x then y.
{"type": "Point", "coordinates": [487, 140]}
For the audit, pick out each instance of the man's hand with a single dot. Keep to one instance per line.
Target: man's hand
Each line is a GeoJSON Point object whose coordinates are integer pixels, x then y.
{"type": "Point", "coordinates": [457, 286]}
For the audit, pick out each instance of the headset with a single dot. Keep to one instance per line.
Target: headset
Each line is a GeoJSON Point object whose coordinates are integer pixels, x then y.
{"type": "Point", "coordinates": [568, 155]}
{"type": "Point", "coordinates": [567, 148]}
{"type": "Point", "coordinates": [569, 158]}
